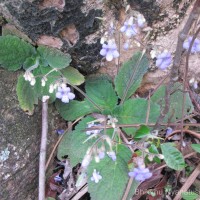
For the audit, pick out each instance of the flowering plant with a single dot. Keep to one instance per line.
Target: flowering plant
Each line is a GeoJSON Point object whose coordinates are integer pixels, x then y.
{"type": "Point", "coordinates": [113, 141]}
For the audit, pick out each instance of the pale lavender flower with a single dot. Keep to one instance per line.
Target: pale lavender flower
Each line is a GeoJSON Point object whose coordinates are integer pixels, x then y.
{"type": "Point", "coordinates": [126, 46]}
{"type": "Point", "coordinates": [109, 51]}
{"type": "Point", "coordinates": [195, 85]}
{"type": "Point", "coordinates": [195, 46]}
{"type": "Point", "coordinates": [96, 177]}
{"type": "Point", "coordinates": [169, 131]}
{"type": "Point", "coordinates": [163, 60]}
{"type": "Point", "coordinates": [140, 174]}
{"type": "Point", "coordinates": [129, 28]}
{"type": "Point", "coordinates": [64, 93]}
{"type": "Point", "coordinates": [92, 125]}
{"type": "Point", "coordinates": [57, 179]}
{"type": "Point", "coordinates": [112, 155]}
{"type": "Point", "coordinates": [140, 20]}
{"type": "Point", "coordinates": [101, 155]}
{"type": "Point", "coordinates": [60, 131]}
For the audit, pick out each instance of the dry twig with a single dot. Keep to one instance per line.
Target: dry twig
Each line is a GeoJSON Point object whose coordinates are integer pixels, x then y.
{"type": "Point", "coordinates": [188, 182]}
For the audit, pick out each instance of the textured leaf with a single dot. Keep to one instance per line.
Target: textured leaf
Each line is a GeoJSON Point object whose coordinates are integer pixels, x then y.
{"type": "Point", "coordinates": [54, 57]}
{"type": "Point", "coordinates": [74, 109]}
{"type": "Point", "coordinates": [14, 52]}
{"type": "Point", "coordinates": [101, 91]}
{"type": "Point", "coordinates": [142, 132]}
{"type": "Point", "coordinates": [72, 143]}
{"type": "Point", "coordinates": [176, 100]}
{"type": "Point", "coordinates": [134, 111]}
{"type": "Point", "coordinates": [114, 176]}
{"type": "Point", "coordinates": [196, 147]}
{"type": "Point", "coordinates": [123, 82]}
{"type": "Point", "coordinates": [27, 95]}
{"type": "Point", "coordinates": [73, 76]}
{"type": "Point", "coordinates": [172, 156]}
{"type": "Point", "coordinates": [189, 195]}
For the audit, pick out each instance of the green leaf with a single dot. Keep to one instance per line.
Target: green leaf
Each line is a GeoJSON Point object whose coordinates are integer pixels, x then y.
{"type": "Point", "coordinates": [72, 143]}
{"type": "Point", "coordinates": [142, 132]}
{"type": "Point", "coordinates": [74, 109]}
{"type": "Point", "coordinates": [101, 91]}
{"type": "Point", "coordinates": [73, 76]}
{"type": "Point", "coordinates": [176, 100]}
{"type": "Point", "coordinates": [196, 147]}
{"type": "Point", "coordinates": [54, 57]}
{"type": "Point", "coordinates": [130, 76]}
{"type": "Point", "coordinates": [14, 52]}
{"type": "Point", "coordinates": [172, 156]}
{"type": "Point", "coordinates": [134, 111]}
{"type": "Point", "coordinates": [114, 176]}
{"type": "Point", "coordinates": [189, 195]}
{"type": "Point", "coordinates": [27, 95]}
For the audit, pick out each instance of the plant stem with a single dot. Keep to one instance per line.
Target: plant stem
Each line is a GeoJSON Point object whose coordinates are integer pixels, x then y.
{"type": "Point", "coordinates": [41, 189]}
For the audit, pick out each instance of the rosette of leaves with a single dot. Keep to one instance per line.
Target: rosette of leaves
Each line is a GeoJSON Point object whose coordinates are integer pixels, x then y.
{"type": "Point", "coordinates": [101, 96]}
{"type": "Point", "coordinates": [15, 53]}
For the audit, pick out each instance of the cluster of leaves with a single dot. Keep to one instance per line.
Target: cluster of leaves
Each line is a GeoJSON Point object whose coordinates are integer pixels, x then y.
{"type": "Point", "coordinates": [15, 53]}
{"type": "Point", "coordinates": [103, 98]}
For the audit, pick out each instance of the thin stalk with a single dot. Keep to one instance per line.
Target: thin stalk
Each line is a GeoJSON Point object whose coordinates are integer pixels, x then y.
{"type": "Point", "coordinates": [41, 189]}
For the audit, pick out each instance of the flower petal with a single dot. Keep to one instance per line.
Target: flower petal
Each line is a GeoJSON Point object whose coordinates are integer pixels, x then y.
{"type": "Point", "coordinates": [109, 56]}
{"type": "Point", "coordinates": [71, 95]}
{"type": "Point", "coordinates": [123, 29]}
{"type": "Point", "coordinates": [65, 99]}
{"type": "Point", "coordinates": [58, 95]}
{"type": "Point", "coordinates": [115, 54]}
{"type": "Point", "coordinates": [103, 52]}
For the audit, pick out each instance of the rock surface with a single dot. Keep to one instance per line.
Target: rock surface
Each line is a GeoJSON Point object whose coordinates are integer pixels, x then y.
{"type": "Point", "coordinates": [19, 145]}
{"type": "Point", "coordinates": [68, 23]}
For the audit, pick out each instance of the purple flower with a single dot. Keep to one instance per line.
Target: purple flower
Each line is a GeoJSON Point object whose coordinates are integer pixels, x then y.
{"type": "Point", "coordinates": [169, 131]}
{"type": "Point", "coordinates": [92, 125]}
{"type": "Point", "coordinates": [112, 155]}
{"type": "Point", "coordinates": [101, 155]}
{"type": "Point", "coordinates": [129, 28]}
{"type": "Point", "coordinates": [109, 51]}
{"type": "Point", "coordinates": [195, 46]}
{"type": "Point", "coordinates": [96, 177]}
{"type": "Point", "coordinates": [140, 174]}
{"type": "Point", "coordinates": [57, 179]}
{"type": "Point", "coordinates": [140, 20]}
{"type": "Point", "coordinates": [60, 131]}
{"type": "Point", "coordinates": [126, 46]}
{"type": "Point", "coordinates": [163, 60]}
{"type": "Point", "coordinates": [64, 93]}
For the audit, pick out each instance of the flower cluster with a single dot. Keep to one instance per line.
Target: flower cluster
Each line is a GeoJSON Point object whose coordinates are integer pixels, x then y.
{"type": "Point", "coordinates": [112, 155]}
{"type": "Point", "coordinates": [28, 76]}
{"type": "Point", "coordinates": [92, 125]}
{"type": "Point", "coordinates": [96, 177]}
{"type": "Point", "coordinates": [109, 50]}
{"type": "Point", "coordinates": [140, 174]}
{"type": "Point", "coordinates": [163, 60]}
{"type": "Point", "coordinates": [195, 47]}
{"type": "Point", "coordinates": [112, 121]}
{"type": "Point", "coordinates": [129, 28]}
{"type": "Point", "coordinates": [64, 93]}
{"type": "Point", "coordinates": [194, 83]}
